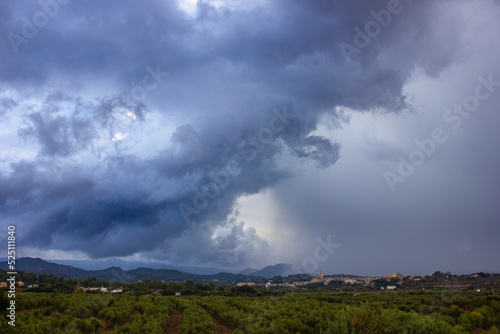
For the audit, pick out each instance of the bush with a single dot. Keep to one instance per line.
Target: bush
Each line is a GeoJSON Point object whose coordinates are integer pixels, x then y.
{"type": "Point", "coordinates": [471, 320]}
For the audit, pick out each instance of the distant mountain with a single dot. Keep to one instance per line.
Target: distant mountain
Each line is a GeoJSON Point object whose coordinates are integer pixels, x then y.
{"type": "Point", "coordinates": [128, 265]}
{"type": "Point", "coordinates": [234, 277]}
{"type": "Point", "coordinates": [281, 269]}
{"type": "Point", "coordinates": [113, 274]}
{"type": "Point", "coordinates": [248, 271]}
{"type": "Point", "coordinates": [39, 266]}
{"type": "Point", "coordinates": [104, 264]}
{"type": "Point", "coordinates": [199, 270]}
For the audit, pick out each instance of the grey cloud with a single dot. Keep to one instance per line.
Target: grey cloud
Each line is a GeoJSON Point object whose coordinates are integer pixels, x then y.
{"type": "Point", "coordinates": [290, 49]}
{"type": "Point", "coordinates": [6, 104]}
{"type": "Point", "coordinates": [96, 205]}
{"type": "Point", "coordinates": [57, 136]}
{"type": "Point", "coordinates": [228, 69]}
{"type": "Point", "coordinates": [320, 149]}
{"type": "Point", "coordinates": [64, 130]}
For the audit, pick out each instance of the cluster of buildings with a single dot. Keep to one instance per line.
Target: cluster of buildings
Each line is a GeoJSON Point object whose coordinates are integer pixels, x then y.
{"type": "Point", "coordinates": [152, 292]}
{"type": "Point", "coordinates": [103, 289]}
{"type": "Point", "coordinates": [366, 281]}
{"type": "Point", "coordinates": [342, 280]}
{"type": "Point", "coordinates": [19, 284]}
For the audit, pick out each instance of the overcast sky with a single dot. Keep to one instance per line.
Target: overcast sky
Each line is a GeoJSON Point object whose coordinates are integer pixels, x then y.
{"type": "Point", "coordinates": [345, 136]}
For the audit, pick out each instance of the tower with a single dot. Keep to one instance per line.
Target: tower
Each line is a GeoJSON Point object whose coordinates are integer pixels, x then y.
{"type": "Point", "coordinates": [321, 274]}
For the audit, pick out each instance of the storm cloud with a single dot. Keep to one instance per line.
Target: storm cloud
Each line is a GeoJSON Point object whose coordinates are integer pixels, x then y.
{"type": "Point", "coordinates": [133, 129]}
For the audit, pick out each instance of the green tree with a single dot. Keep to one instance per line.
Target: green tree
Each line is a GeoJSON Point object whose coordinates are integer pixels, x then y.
{"type": "Point", "coordinates": [471, 320]}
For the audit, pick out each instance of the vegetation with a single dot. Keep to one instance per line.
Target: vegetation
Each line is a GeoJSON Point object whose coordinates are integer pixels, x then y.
{"type": "Point", "coordinates": [194, 318]}
{"type": "Point", "coordinates": [318, 313]}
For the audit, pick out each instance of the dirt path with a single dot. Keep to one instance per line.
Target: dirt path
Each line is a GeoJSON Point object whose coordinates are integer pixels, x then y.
{"type": "Point", "coordinates": [174, 320]}
{"type": "Point", "coordinates": [221, 328]}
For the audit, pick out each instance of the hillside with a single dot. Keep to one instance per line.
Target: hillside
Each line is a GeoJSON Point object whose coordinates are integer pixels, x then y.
{"type": "Point", "coordinates": [113, 274]}
{"type": "Point", "coordinates": [281, 269]}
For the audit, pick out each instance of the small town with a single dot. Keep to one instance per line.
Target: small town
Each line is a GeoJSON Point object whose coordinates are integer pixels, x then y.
{"type": "Point", "coordinates": [344, 283]}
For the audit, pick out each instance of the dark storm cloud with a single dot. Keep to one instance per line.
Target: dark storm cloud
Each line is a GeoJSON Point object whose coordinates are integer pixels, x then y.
{"type": "Point", "coordinates": [288, 48]}
{"type": "Point", "coordinates": [57, 136]}
{"type": "Point", "coordinates": [324, 153]}
{"type": "Point", "coordinates": [76, 128]}
{"type": "Point", "coordinates": [228, 69]}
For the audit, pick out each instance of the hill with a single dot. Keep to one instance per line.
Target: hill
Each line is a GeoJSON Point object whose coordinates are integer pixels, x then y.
{"type": "Point", "coordinates": [128, 265]}
{"type": "Point", "coordinates": [281, 269]}
{"type": "Point", "coordinates": [113, 274]}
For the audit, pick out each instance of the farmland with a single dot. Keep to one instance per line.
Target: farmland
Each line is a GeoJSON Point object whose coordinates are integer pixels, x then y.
{"type": "Point", "coordinates": [314, 313]}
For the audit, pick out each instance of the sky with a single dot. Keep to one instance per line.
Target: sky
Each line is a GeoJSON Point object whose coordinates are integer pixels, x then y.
{"type": "Point", "coordinates": [344, 136]}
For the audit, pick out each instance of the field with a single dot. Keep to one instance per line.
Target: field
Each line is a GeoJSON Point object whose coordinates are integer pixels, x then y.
{"type": "Point", "coordinates": [444, 312]}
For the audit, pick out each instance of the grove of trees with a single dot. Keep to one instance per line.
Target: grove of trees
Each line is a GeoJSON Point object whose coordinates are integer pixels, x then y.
{"type": "Point", "coordinates": [313, 313]}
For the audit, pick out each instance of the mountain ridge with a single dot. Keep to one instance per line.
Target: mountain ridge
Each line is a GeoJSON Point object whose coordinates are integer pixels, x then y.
{"type": "Point", "coordinates": [128, 265]}
{"type": "Point", "coordinates": [115, 273]}
{"type": "Point", "coordinates": [280, 269]}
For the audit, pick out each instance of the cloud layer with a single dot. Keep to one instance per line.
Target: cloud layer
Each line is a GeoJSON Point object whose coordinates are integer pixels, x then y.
{"type": "Point", "coordinates": [134, 128]}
